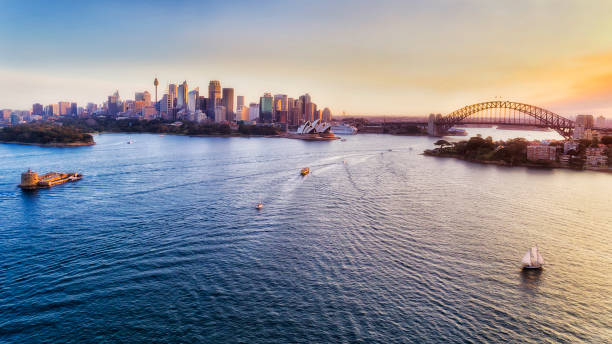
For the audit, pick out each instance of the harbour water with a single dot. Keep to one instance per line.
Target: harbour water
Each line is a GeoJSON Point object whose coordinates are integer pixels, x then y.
{"type": "Point", "coordinates": [161, 242]}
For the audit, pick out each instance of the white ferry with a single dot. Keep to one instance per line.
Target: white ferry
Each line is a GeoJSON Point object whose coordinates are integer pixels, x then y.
{"type": "Point", "coordinates": [343, 129]}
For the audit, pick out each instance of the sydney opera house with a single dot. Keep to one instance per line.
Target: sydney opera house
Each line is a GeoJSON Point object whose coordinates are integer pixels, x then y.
{"type": "Point", "coordinates": [316, 127]}
{"type": "Point", "coordinates": [317, 130]}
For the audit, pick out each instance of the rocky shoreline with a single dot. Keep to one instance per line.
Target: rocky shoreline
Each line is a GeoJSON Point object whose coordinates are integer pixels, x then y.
{"type": "Point", "coordinates": [55, 144]}
{"type": "Point", "coordinates": [506, 164]}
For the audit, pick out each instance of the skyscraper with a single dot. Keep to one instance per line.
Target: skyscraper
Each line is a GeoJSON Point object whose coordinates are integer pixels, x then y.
{"type": "Point", "coordinates": [327, 116]}
{"type": "Point", "coordinates": [202, 103]}
{"type": "Point", "coordinates": [228, 103]}
{"type": "Point", "coordinates": [239, 101]}
{"type": "Point", "coordinates": [64, 108]}
{"type": "Point", "coordinates": [220, 113]}
{"type": "Point", "coordinates": [37, 109]}
{"type": "Point", "coordinates": [113, 103]}
{"type": "Point", "coordinates": [146, 97]}
{"type": "Point", "coordinates": [170, 100]}
{"type": "Point", "coordinates": [266, 108]}
{"type": "Point", "coordinates": [181, 98]}
{"type": "Point", "coordinates": [253, 112]}
{"type": "Point", "coordinates": [163, 107]}
{"type": "Point", "coordinates": [74, 109]}
{"type": "Point", "coordinates": [305, 100]}
{"type": "Point", "coordinates": [311, 109]}
{"type": "Point", "coordinates": [53, 110]}
{"type": "Point", "coordinates": [91, 108]}
{"type": "Point", "coordinates": [280, 108]}
{"type": "Point", "coordinates": [214, 97]}
{"type": "Point", "coordinates": [192, 100]}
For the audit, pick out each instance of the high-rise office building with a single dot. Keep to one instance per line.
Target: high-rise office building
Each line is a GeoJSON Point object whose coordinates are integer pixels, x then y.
{"type": "Point", "coordinates": [253, 112]}
{"type": "Point", "coordinates": [165, 108]}
{"type": "Point", "coordinates": [585, 120]}
{"type": "Point", "coordinates": [113, 103]}
{"type": "Point", "coordinates": [146, 97]}
{"type": "Point", "coordinates": [214, 97]}
{"type": "Point", "coordinates": [52, 110]}
{"type": "Point", "coordinates": [280, 108]}
{"type": "Point", "coordinates": [181, 97]}
{"type": "Point", "coordinates": [202, 103]}
{"type": "Point", "coordinates": [298, 112]}
{"type": "Point", "coordinates": [220, 114]}
{"type": "Point", "coordinates": [266, 108]}
{"type": "Point", "coordinates": [64, 108]}
{"type": "Point", "coordinates": [91, 108]}
{"type": "Point", "coordinates": [74, 109]}
{"type": "Point", "coordinates": [310, 111]}
{"type": "Point", "coordinates": [239, 101]}
{"type": "Point", "coordinates": [228, 103]}
{"type": "Point", "coordinates": [172, 95]}
{"type": "Point", "coordinates": [193, 100]}
{"type": "Point", "coordinates": [327, 116]}
{"type": "Point", "coordinates": [242, 113]}
{"type": "Point", "coordinates": [170, 113]}
{"type": "Point", "coordinates": [5, 114]}
{"type": "Point", "coordinates": [600, 122]}
{"type": "Point", "coordinates": [37, 109]}
{"type": "Point", "coordinates": [304, 101]}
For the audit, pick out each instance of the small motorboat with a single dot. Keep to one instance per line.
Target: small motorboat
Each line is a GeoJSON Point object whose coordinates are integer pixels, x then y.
{"type": "Point", "coordinates": [259, 206]}
{"type": "Point", "coordinates": [305, 171]}
{"type": "Point", "coordinates": [533, 259]}
{"type": "Point", "coordinates": [130, 141]}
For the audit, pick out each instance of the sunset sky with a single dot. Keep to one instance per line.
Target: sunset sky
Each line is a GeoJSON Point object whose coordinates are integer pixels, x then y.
{"type": "Point", "coordinates": [362, 57]}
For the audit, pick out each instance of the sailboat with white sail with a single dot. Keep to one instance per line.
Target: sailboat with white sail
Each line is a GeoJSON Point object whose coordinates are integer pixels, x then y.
{"type": "Point", "coordinates": [533, 259]}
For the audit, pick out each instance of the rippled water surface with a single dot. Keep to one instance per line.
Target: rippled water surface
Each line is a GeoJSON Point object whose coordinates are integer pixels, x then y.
{"type": "Point", "coordinates": [160, 242]}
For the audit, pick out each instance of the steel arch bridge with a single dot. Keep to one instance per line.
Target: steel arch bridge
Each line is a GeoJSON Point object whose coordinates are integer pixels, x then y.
{"type": "Point", "coordinates": [502, 112]}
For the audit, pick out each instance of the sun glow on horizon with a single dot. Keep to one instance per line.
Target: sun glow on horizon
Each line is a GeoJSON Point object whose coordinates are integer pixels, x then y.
{"type": "Point", "coordinates": [395, 58]}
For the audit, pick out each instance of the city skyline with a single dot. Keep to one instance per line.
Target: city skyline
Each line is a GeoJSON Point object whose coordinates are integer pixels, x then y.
{"type": "Point", "coordinates": [395, 58]}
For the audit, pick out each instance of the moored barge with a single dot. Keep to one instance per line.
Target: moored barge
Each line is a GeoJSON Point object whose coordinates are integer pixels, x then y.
{"type": "Point", "coordinates": [30, 179]}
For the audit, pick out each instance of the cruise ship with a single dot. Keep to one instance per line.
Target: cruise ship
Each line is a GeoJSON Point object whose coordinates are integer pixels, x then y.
{"type": "Point", "coordinates": [344, 129]}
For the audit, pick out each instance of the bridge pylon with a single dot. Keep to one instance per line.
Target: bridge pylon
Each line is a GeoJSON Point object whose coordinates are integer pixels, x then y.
{"type": "Point", "coordinates": [434, 129]}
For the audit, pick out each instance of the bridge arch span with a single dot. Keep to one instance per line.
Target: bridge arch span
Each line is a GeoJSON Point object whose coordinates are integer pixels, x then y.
{"type": "Point", "coordinates": [543, 117]}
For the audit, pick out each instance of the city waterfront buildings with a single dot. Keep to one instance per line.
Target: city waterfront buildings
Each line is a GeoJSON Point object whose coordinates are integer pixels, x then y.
{"type": "Point", "coordinates": [541, 152]}
{"type": "Point", "coordinates": [596, 157]}
{"type": "Point", "coordinates": [180, 103]}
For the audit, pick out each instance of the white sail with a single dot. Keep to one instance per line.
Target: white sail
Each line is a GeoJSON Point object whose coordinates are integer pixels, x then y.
{"type": "Point", "coordinates": [540, 259]}
{"type": "Point", "coordinates": [534, 256]}
{"type": "Point", "coordinates": [527, 258]}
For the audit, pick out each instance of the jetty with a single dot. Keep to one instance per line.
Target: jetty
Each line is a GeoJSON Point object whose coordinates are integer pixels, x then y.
{"type": "Point", "coordinates": [30, 179]}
